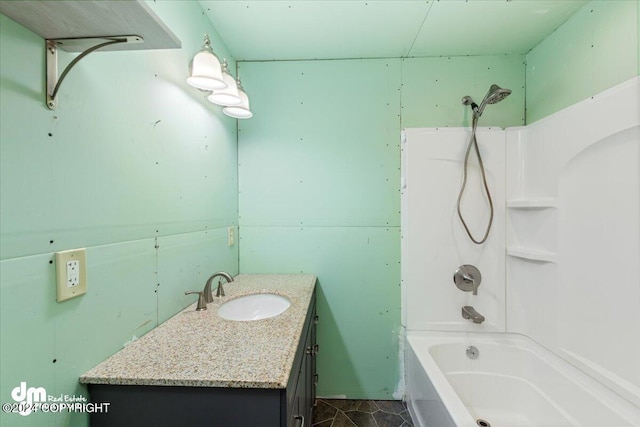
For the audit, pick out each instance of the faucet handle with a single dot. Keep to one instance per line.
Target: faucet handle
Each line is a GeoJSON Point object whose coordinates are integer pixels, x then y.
{"type": "Point", "coordinates": [202, 304]}
{"type": "Point", "coordinates": [467, 278]}
{"type": "Point", "coordinates": [220, 290]}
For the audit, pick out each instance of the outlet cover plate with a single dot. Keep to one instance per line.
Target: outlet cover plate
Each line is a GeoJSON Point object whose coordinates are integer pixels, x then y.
{"type": "Point", "coordinates": [231, 236]}
{"type": "Point", "coordinates": [71, 274]}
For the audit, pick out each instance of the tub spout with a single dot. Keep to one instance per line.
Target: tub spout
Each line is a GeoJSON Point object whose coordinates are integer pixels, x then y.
{"type": "Point", "coordinates": [469, 312]}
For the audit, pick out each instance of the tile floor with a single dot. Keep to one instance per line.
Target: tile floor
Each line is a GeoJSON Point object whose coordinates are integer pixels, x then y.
{"type": "Point", "coordinates": [360, 413]}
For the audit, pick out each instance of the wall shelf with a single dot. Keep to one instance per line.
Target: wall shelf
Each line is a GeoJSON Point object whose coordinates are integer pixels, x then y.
{"type": "Point", "coordinates": [93, 19]}
{"type": "Point", "coordinates": [536, 203]}
{"type": "Point", "coordinates": [88, 26]}
{"type": "Point", "coordinates": [531, 254]}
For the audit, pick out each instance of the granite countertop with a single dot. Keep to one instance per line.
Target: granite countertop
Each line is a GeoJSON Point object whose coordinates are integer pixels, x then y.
{"type": "Point", "coordinates": [201, 349]}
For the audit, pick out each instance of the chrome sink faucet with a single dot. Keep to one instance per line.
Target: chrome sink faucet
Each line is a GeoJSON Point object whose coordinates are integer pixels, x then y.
{"type": "Point", "coordinates": [208, 296]}
{"type": "Point", "coordinates": [469, 312]}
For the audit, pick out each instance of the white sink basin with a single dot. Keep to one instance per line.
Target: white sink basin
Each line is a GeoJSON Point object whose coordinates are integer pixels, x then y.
{"type": "Point", "coordinates": [254, 307]}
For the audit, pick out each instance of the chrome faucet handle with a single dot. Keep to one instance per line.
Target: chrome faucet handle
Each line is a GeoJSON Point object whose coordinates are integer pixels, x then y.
{"type": "Point", "coordinates": [467, 278]}
{"type": "Point", "coordinates": [202, 304]}
{"type": "Point", "coordinates": [220, 290]}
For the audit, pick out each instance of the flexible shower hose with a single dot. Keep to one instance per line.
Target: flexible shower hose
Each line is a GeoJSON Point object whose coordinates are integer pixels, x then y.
{"type": "Point", "coordinates": [473, 142]}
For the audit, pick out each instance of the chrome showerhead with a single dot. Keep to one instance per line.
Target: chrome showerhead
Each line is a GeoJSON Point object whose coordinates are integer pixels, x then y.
{"type": "Point", "coordinates": [495, 95]}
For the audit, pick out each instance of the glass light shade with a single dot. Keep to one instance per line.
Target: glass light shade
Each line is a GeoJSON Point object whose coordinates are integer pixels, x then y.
{"type": "Point", "coordinates": [229, 96]}
{"type": "Point", "coordinates": [241, 111]}
{"type": "Point", "coordinates": [206, 73]}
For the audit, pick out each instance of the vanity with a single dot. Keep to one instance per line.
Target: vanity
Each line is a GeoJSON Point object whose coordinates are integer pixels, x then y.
{"type": "Point", "coordinates": [198, 368]}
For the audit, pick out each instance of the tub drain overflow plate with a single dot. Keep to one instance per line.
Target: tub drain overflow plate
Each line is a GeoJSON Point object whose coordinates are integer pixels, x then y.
{"type": "Point", "coordinates": [473, 353]}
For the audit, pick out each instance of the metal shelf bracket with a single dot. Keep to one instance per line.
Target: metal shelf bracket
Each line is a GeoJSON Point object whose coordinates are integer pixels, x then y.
{"type": "Point", "coordinates": [88, 44]}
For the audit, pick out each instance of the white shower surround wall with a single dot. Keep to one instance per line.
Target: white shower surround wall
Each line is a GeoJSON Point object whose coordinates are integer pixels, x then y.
{"type": "Point", "coordinates": [434, 243]}
{"type": "Point", "coordinates": [584, 304]}
{"type": "Point", "coordinates": [568, 222]}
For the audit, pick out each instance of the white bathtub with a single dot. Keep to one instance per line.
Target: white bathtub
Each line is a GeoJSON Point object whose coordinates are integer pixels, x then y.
{"type": "Point", "coordinates": [514, 382]}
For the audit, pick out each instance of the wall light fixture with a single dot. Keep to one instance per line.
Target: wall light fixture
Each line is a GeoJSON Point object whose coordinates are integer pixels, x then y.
{"type": "Point", "coordinates": [205, 72]}
{"type": "Point", "coordinates": [208, 74]}
{"type": "Point", "coordinates": [229, 95]}
{"type": "Point", "coordinates": [242, 110]}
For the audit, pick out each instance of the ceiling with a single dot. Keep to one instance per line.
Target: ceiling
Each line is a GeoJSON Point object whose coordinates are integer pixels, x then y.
{"type": "Point", "coordinates": [332, 29]}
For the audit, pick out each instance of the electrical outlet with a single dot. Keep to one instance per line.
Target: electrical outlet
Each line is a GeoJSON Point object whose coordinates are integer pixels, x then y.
{"type": "Point", "coordinates": [71, 274]}
{"type": "Point", "coordinates": [231, 236]}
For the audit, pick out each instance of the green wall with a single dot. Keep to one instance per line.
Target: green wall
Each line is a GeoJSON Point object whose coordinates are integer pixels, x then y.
{"type": "Point", "coordinates": [319, 175]}
{"type": "Point", "coordinates": [319, 168]}
{"type": "Point", "coordinates": [138, 168]}
{"type": "Point", "coordinates": [432, 90]}
{"type": "Point", "coordinates": [134, 165]}
{"type": "Point", "coordinates": [318, 179]}
{"type": "Point", "coordinates": [597, 48]}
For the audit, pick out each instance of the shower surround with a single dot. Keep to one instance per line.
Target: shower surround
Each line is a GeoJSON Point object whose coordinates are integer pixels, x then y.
{"type": "Point", "coordinates": [561, 265]}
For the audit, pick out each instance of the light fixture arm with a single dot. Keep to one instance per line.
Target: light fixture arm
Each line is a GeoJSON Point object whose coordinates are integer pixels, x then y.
{"type": "Point", "coordinates": [51, 47]}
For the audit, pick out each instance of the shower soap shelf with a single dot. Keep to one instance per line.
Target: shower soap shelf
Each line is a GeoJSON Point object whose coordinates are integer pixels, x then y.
{"type": "Point", "coordinates": [537, 203]}
{"type": "Point", "coordinates": [531, 254]}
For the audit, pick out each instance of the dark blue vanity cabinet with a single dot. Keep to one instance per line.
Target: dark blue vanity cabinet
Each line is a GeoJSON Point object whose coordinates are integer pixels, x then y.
{"type": "Point", "coordinates": [171, 406]}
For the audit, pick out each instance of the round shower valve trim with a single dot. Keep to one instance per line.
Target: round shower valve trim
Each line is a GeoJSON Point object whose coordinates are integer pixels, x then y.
{"type": "Point", "coordinates": [467, 278]}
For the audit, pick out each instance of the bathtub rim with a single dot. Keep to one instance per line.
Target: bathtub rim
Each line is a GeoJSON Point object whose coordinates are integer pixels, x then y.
{"type": "Point", "coordinates": [618, 403]}
{"type": "Point", "coordinates": [458, 412]}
